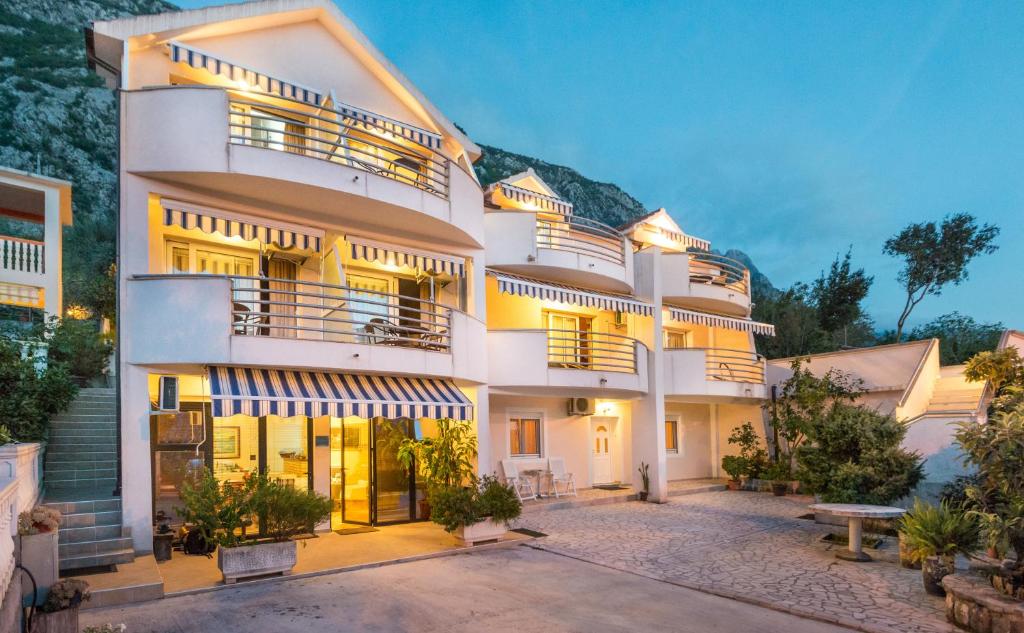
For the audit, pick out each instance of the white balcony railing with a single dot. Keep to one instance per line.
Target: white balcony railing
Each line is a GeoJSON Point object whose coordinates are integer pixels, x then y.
{"type": "Point", "coordinates": [332, 137]}
{"type": "Point", "coordinates": [730, 365]}
{"type": "Point", "coordinates": [718, 270]}
{"type": "Point", "coordinates": [596, 351]}
{"type": "Point", "coordinates": [582, 236]}
{"type": "Point", "coordinates": [287, 308]}
{"type": "Point", "coordinates": [24, 256]}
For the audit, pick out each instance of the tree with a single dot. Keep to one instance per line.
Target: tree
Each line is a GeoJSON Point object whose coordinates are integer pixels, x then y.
{"type": "Point", "coordinates": [962, 337]}
{"type": "Point", "coordinates": [1004, 371]}
{"type": "Point", "coordinates": [797, 331]}
{"type": "Point", "coordinates": [934, 256]}
{"type": "Point", "coordinates": [837, 295]}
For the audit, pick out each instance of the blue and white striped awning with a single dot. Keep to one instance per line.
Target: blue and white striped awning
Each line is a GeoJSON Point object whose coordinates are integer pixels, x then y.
{"type": "Point", "coordinates": [372, 251]}
{"type": "Point", "coordinates": [287, 393]}
{"type": "Point", "coordinates": [541, 201]}
{"type": "Point", "coordinates": [717, 320]}
{"type": "Point", "coordinates": [210, 221]}
{"type": "Point", "coordinates": [255, 80]}
{"type": "Point", "coordinates": [378, 122]}
{"type": "Point", "coordinates": [522, 286]}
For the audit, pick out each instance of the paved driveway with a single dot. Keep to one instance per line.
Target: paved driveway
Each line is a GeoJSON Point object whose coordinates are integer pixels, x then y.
{"type": "Point", "coordinates": [517, 590]}
{"type": "Point", "coordinates": [746, 545]}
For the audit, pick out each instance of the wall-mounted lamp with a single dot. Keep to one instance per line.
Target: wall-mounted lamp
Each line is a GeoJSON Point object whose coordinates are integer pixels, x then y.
{"type": "Point", "coordinates": [356, 355]}
{"type": "Point", "coordinates": [604, 381]}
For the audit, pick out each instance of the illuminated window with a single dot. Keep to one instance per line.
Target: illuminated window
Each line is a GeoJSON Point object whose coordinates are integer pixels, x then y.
{"type": "Point", "coordinates": [678, 339]}
{"type": "Point", "coordinates": [671, 436]}
{"type": "Point", "coordinates": [524, 436]}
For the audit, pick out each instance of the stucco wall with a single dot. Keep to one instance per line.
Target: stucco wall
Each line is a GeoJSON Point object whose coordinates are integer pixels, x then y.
{"type": "Point", "coordinates": [694, 456]}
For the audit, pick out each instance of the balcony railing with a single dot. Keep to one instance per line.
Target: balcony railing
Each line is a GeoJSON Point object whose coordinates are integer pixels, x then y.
{"type": "Point", "coordinates": [24, 256]}
{"type": "Point", "coordinates": [733, 365]}
{"type": "Point", "coordinates": [708, 268]}
{"type": "Point", "coordinates": [582, 236]}
{"type": "Point", "coordinates": [333, 138]}
{"type": "Point", "coordinates": [287, 308]}
{"type": "Point", "coordinates": [598, 351]}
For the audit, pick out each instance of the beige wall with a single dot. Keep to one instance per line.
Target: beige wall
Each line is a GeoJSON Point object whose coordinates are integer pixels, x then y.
{"type": "Point", "coordinates": [694, 456]}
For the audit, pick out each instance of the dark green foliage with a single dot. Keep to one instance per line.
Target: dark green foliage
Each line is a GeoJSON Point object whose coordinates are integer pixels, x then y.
{"type": "Point", "coordinates": [753, 456]}
{"type": "Point", "coordinates": [285, 511]}
{"type": "Point", "coordinates": [30, 398]}
{"type": "Point", "coordinates": [837, 294]}
{"type": "Point", "coordinates": [852, 454]}
{"type": "Point", "coordinates": [962, 337]}
{"type": "Point", "coordinates": [457, 506]}
{"type": "Point", "coordinates": [498, 501]}
{"type": "Point", "coordinates": [734, 466]}
{"type": "Point", "coordinates": [79, 346]}
{"type": "Point", "coordinates": [797, 329]}
{"type": "Point", "coordinates": [954, 493]}
{"type": "Point", "coordinates": [942, 530]}
{"type": "Point", "coordinates": [936, 255]}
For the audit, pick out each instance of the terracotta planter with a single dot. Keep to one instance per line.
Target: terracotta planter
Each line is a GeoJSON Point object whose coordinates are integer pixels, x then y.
{"type": "Point", "coordinates": [65, 621]}
{"type": "Point", "coordinates": [906, 558]}
{"type": "Point", "coordinates": [38, 553]}
{"type": "Point", "coordinates": [486, 530]}
{"type": "Point", "coordinates": [779, 488]}
{"type": "Point", "coordinates": [933, 570]}
{"type": "Point", "coordinates": [734, 484]}
{"type": "Point", "coordinates": [256, 560]}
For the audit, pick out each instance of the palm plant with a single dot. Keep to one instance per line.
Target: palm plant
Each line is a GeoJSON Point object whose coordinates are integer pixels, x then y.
{"type": "Point", "coordinates": [940, 530]}
{"type": "Point", "coordinates": [445, 460]}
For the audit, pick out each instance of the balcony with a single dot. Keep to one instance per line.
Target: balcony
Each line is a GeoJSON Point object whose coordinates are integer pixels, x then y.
{"type": "Point", "coordinates": [566, 363]}
{"type": "Point", "coordinates": [714, 375]}
{"type": "Point", "coordinates": [706, 281]}
{"type": "Point", "coordinates": [329, 168]}
{"type": "Point", "coordinates": [566, 248]}
{"type": "Point", "coordinates": [256, 321]}
{"type": "Point", "coordinates": [22, 261]}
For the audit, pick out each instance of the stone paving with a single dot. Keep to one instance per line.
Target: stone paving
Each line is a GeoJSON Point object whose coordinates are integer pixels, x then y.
{"type": "Point", "coordinates": [744, 545]}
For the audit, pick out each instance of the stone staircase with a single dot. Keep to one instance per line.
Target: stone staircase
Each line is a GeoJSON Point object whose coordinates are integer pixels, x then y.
{"type": "Point", "coordinates": [79, 478]}
{"type": "Point", "coordinates": [954, 395]}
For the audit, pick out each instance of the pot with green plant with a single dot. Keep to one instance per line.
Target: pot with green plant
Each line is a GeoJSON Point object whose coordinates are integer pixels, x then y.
{"type": "Point", "coordinates": [645, 480]}
{"type": "Point", "coordinates": [475, 513]}
{"type": "Point", "coordinates": [37, 545]}
{"type": "Point", "coordinates": [441, 461]}
{"type": "Point", "coordinates": [59, 613]}
{"type": "Point", "coordinates": [221, 513]}
{"type": "Point", "coordinates": [734, 466]}
{"type": "Point", "coordinates": [779, 474]}
{"type": "Point", "coordinates": [934, 537]}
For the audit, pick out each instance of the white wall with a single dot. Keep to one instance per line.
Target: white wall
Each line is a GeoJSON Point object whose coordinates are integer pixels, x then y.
{"type": "Point", "coordinates": [694, 457]}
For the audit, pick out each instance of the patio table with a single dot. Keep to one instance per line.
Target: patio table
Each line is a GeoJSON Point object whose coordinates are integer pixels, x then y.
{"type": "Point", "coordinates": [856, 513]}
{"type": "Point", "coordinates": [538, 474]}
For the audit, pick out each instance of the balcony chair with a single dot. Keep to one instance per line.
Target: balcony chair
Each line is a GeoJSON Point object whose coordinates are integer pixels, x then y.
{"type": "Point", "coordinates": [519, 484]}
{"type": "Point", "coordinates": [378, 331]}
{"type": "Point", "coordinates": [556, 466]}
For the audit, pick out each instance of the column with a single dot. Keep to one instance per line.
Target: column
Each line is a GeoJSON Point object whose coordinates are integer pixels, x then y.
{"type": "Point", "coordinates": [648, 415]}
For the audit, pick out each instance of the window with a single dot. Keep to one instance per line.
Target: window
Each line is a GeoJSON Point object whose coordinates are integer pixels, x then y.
{"type": "Point", "coordinates": [671, 436]}
{"type": "Point", "coordinates": [677, 339]}
{"type": "Point", "coordinates": [524, 436]}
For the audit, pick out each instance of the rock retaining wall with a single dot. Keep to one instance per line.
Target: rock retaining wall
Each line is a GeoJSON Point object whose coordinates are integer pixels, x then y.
{"type": "Point", "coordinates": [973, 605]}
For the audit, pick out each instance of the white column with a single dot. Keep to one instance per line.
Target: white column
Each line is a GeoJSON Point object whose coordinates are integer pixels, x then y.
{"type": "Point", "coordinates": [648, 414]}
{"type": "Point", "coordinates": [716, 456]}
{"type": "Point", "coordinates": [483, 432]}
{"type": "Point", "coordinates": [52, 239]}
{"type": "Point", "coordinates": [136, 479]}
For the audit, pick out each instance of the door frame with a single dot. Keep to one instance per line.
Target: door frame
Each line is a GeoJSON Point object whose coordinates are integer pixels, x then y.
{"type": "Point", "coordinates": [612, 422]}
{"type": "Point", "coordinates": [372, 486]}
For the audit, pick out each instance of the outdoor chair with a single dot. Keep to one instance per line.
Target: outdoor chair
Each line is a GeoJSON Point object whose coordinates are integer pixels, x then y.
{"type": "Point", "coordinates": [522, 485]}
{"type": "Point", "coordinates": [556, 466]}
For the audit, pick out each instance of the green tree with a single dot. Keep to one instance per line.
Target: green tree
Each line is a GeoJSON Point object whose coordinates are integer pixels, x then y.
{"type": "Point", "coordinates": [962, 337]}
{"type": "Point", "coordinates": [837, 295]}
{"type": "Point", "coordinates": [797, 328]}
{"type": "Point", "coordinates": [936, 255]}
{"type": "Point", "coordinates": [30, 397]}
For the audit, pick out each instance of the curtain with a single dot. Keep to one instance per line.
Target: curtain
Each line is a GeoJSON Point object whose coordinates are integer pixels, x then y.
{"type": "Point", "coordinates": [282, 274]}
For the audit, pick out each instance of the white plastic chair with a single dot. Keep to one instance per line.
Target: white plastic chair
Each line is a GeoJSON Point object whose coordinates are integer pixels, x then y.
{"type": "Point", "coordinates": [556, 466]}
{"type": "Point", "coordinates": [520, 484]}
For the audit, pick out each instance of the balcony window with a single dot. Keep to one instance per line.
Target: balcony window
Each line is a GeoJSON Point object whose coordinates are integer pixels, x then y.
{"type": "Point", "coordinates": [568, 340]}
{"type": "Point", "coordinates": [524, 436]}
{"type": "Point", "coordinates": [678, 339]}
{"type": "Point", "coordinates": [672, 436]}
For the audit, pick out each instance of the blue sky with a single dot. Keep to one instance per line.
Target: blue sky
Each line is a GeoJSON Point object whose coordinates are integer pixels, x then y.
{"type": "Point", "coordinates": [789, 130]}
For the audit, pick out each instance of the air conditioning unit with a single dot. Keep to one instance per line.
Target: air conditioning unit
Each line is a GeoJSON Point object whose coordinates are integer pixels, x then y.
{"type": "Point", "coordinates": [581, 406]}
{"type": "Point", "coordinates": [168, 400]}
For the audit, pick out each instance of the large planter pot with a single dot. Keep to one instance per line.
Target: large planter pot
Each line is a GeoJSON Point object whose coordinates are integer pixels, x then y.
{"type": "Point", "coordinates": [933, 570]}
{"type": "Point", "coordinates": [259, 559]}
{"type": "Point", "coordinates": [64, 621]}
{"type": "Point", "coordinates": [424, 510]}
{"type": "Point", "coordinates": [734, 484]}
{"type": "Point", "coordinates": [38, 553]}
{"type": "Point", "coordinates": [906, 558]}
{"type": "Point", "coordinates": [163, 545]}
{"type": "Point", "coordinates": [486, 530]}
{"type": "Point", "coordinates": [779, 488]}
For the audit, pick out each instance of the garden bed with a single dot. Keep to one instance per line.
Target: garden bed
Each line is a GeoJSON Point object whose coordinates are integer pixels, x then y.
{"type": "Point", "coordinates": [973, 604]}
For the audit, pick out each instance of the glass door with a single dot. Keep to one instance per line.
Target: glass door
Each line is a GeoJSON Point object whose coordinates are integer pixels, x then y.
{"type": "Point", "coordinates": [562, 339]}
{"type": "Point", "coordinates": [394, 486]}
{"type": "Point", "coordinates": [354, 481]}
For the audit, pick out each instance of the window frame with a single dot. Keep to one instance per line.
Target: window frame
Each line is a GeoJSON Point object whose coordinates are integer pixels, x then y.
{"type": "Point", "coordinates": [525, 414]}
{"type": "Point", "coordinates": [677, 423]}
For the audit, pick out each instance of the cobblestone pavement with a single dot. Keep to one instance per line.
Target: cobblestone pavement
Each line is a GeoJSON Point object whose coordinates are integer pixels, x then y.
{"type": "Point", "coordinates": [745, 545]}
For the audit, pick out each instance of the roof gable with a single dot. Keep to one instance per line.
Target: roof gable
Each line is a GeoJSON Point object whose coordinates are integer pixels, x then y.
{"type": "Point", "coordinates": [530, 181]}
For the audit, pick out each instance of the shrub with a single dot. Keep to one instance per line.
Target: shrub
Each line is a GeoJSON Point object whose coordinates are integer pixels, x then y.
{"type": "Point", "coordinates": [779, 471]}
{"type": "Point", "coordinates": [30, 397]}
{"type": "Point", "coordinates": [285, 511]}
{"type": "Point", "coordinates": [498, 501]}
{"type": "Point", "coordinates": [445, 460]}
{"type": "Point", "coordinates": [65, 594]}
{"type": "Point", "coordinates": [78, 345]}
{"type": "Point", "coordinates": [755, 458]}
{"type": "Point", "coordinates": [853, 455]}
{"type": "Point", "coordinates": [941, 530]}
{"type": "Point", "coordinates": [38, 520]}
{"type": "Point", "coordinates": [734, 466]}
{"type": "Point", "coordinates": [458, 506]}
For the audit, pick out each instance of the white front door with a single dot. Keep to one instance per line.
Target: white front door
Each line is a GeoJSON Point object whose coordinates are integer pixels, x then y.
{"type": "Point", "coordinates": [600, 446]}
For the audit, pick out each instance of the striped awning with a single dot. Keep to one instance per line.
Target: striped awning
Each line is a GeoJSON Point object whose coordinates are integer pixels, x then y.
{"type": "Point", "coordinates": [371, 251]}
{"type": "Point", "coordinates": [522, 286]}
{"type": "Point", "coordinates": [213, 221]}
{"type": "Point", "coordinates": [256, 80]}
{"type": "Point", "coordinates": [258, 392]}
{"type": "Point", "coordinates": [378, 122]}
{"type": "Point", "coordinates": [687, 241]}
{"type": "Point", "coordinates": [715, 320]}
{"type": "Point", "coordinates": [541, 201]}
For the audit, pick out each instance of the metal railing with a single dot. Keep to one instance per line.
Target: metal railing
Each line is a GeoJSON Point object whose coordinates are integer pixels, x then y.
{"type": "Point", "coordinates": [26, 256]}
{"type": "Point", "coordinates": [600, 351]}
{"type": "Point", "coordinates": [731, 365]}
{"type": "Point", "coordinates": [330, 136]}
{"type": "Point", "coordinates": [580, 235]}
{"type": "Point", "coordinates": [709, 268]}
{"type": "Point", "coordinates": [286, 308]}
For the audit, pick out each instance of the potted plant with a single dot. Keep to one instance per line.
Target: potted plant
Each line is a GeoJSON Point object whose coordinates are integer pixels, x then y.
{"type": "Point", "coordinates": [734, 466]}
{"type": "Point", "coordinates": [645, 479]}
{"type": "Point", "coordinates": [59, 613]}
{"type": "Point", "coordinates": [755, 458]}
{"type": "Point", "coordinates": [779, 474]}
{"type": "Point", "coordinates": [37, 544]}
{"type": "Point", "coordinates": [935, 535]}
{"type": "Point", "coordinates": [221, 514]}
{"type": "Point", "coordinates": [478, 512]}
{"type": "Point", "coordinates": [442, 461]}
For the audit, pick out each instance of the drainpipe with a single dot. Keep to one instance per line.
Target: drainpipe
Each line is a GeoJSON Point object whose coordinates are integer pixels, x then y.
{"type": "Point", "coordinates": [775, 422]}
